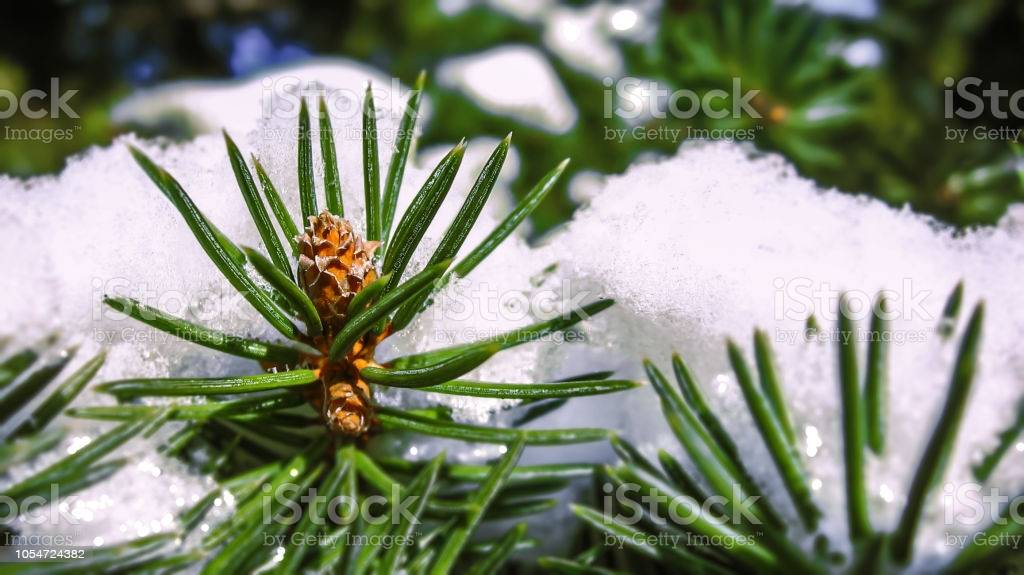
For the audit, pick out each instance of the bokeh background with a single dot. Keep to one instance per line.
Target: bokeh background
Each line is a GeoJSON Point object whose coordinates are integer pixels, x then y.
{"type": "Point", "coordinates": [851, 92]}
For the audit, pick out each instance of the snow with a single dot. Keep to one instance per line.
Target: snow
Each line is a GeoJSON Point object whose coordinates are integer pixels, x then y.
{"type": "Point", "coordinates": [207, 106]}
{"type": "Point", "coordinates": [863, 53]}
{"type": "Point", "coordinates": [513, 80]}
{"type": "Point", "coordinates": [718, 240]}
{"type": "Point", "coordinates": [858, 9]}
{"type": "Point", "coordinates": [580, 37]}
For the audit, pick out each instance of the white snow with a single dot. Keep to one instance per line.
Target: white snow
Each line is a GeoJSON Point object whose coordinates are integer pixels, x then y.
{"type": "Point", "coordinates": [513, 80]}
{"type": "Point", "coordinates": [581, 37]}
{"type": "Point", "coordinates": [860, 9]}
{"type": "Point", "coordinates": [208, 106]}
{"type": "Point", "coordinates": [863, 53]}
{"type": "Point", "coordinates": [718, 240]}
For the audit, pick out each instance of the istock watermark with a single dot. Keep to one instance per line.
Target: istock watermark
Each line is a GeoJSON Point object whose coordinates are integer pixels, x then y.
{"type": "Point", "coordinates": [630, 503]}
{"type": "Point", "coordinates": [36, 104]}
{"type": "Point", "coordinates": [281, 97]}
{"type": "Point", "coordinates": [798, 298]}
{"type": "Point", "coordinates": [37, 509]}
{"type": "Point", "coordinates": [632, 98]}
{"type": "Point", "coordinates": [971, 98]}
{"type": "Point", "coordinates": [975, 505]}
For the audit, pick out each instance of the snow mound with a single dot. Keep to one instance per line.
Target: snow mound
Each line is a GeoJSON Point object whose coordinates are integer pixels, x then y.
{"type": "Point", "coordinates": [717, 240]}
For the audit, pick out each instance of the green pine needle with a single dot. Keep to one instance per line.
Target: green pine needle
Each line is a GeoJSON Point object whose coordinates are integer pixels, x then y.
{"type": "Point", "coordinates": [396, 419]}
{"type": "Point", "coordinates": [61, 397]}
{"type": "Point", "coordinates": [368, 295]}
{"type": "Point", "coordinates": [16, 365]}
{"type": "Point", "coordinates": [660, 550]}
{"type": "Point", "coordinates": [771, 387]}
{"type": "Point", "coordinates": [482, 499]}
{"type": "Point", "coordinates": [497, 557]}
{"type": "Point", "coordinates": [238, 408]}
{"type": "Point", "coordinates": [936, 455]}
{"type": "Point", "coordinates": [713, 464]}
{"type": "Point", "coordinates": [173, 191]}
{"type": "Point", "coordinates": [420, 213]}
{"type": "Point", "coordinates": [980, 552]}
{"type": "Point", "coordinates": [22, 392]}
{"type": "Point", "coordinates": [983, 470]}
{"type": "Point", "coordinates": [234, 345]}
{"type": "Point", "coordinates": [875, 386]}
{"type": "Point", "coordinates": [509, 339]}
{"type": "Point", "coordinates": [396, 168]}
{"type": "Point", "coordinates": [430, 375]}
{"type": "Point", "coordinates": [307, 188]}
{"type": "Point", "coordinates": [854, 423]}
{"type": "Point", "coordinates": [328, 152]}
{"type": "Point", "coordinates": [532, 391]}
{"type": "Point", "coordinates": [782, 451]}
{"type": "Point", "coordinates": [950, 312]}
{"type": "Point", "coordinates": [27, 448]}
{"type": "Point", "coordinates": [284, 219]}
{"type": "Point", "coordinates": [422, 486]}
{"type": "Point", "coordinates": [678, 475]}
{"type": "Point", "coordinates": [126, 388]}
{"type": "Point", "coordinates": [460, 227]}
{"type": "Point", "coordinates": [371, 168]}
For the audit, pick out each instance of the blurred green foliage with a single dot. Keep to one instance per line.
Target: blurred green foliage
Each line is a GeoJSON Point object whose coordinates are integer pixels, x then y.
{"type": "Point", "coordinates": [876, 128]}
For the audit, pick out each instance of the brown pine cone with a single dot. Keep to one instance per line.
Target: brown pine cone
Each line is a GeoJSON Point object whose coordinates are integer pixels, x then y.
{"type": "Point", "coordinates": [334, 265]}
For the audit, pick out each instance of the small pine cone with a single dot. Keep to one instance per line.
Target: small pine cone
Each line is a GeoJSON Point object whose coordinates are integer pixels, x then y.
{"type": "Point", "coordinates": [334, 265]}
{"type": "Point", "coordinates": [348, 410]}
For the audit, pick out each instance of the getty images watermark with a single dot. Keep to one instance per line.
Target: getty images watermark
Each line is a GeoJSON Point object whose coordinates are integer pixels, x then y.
{"type": "Point", "coordinates": [284, 505]}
